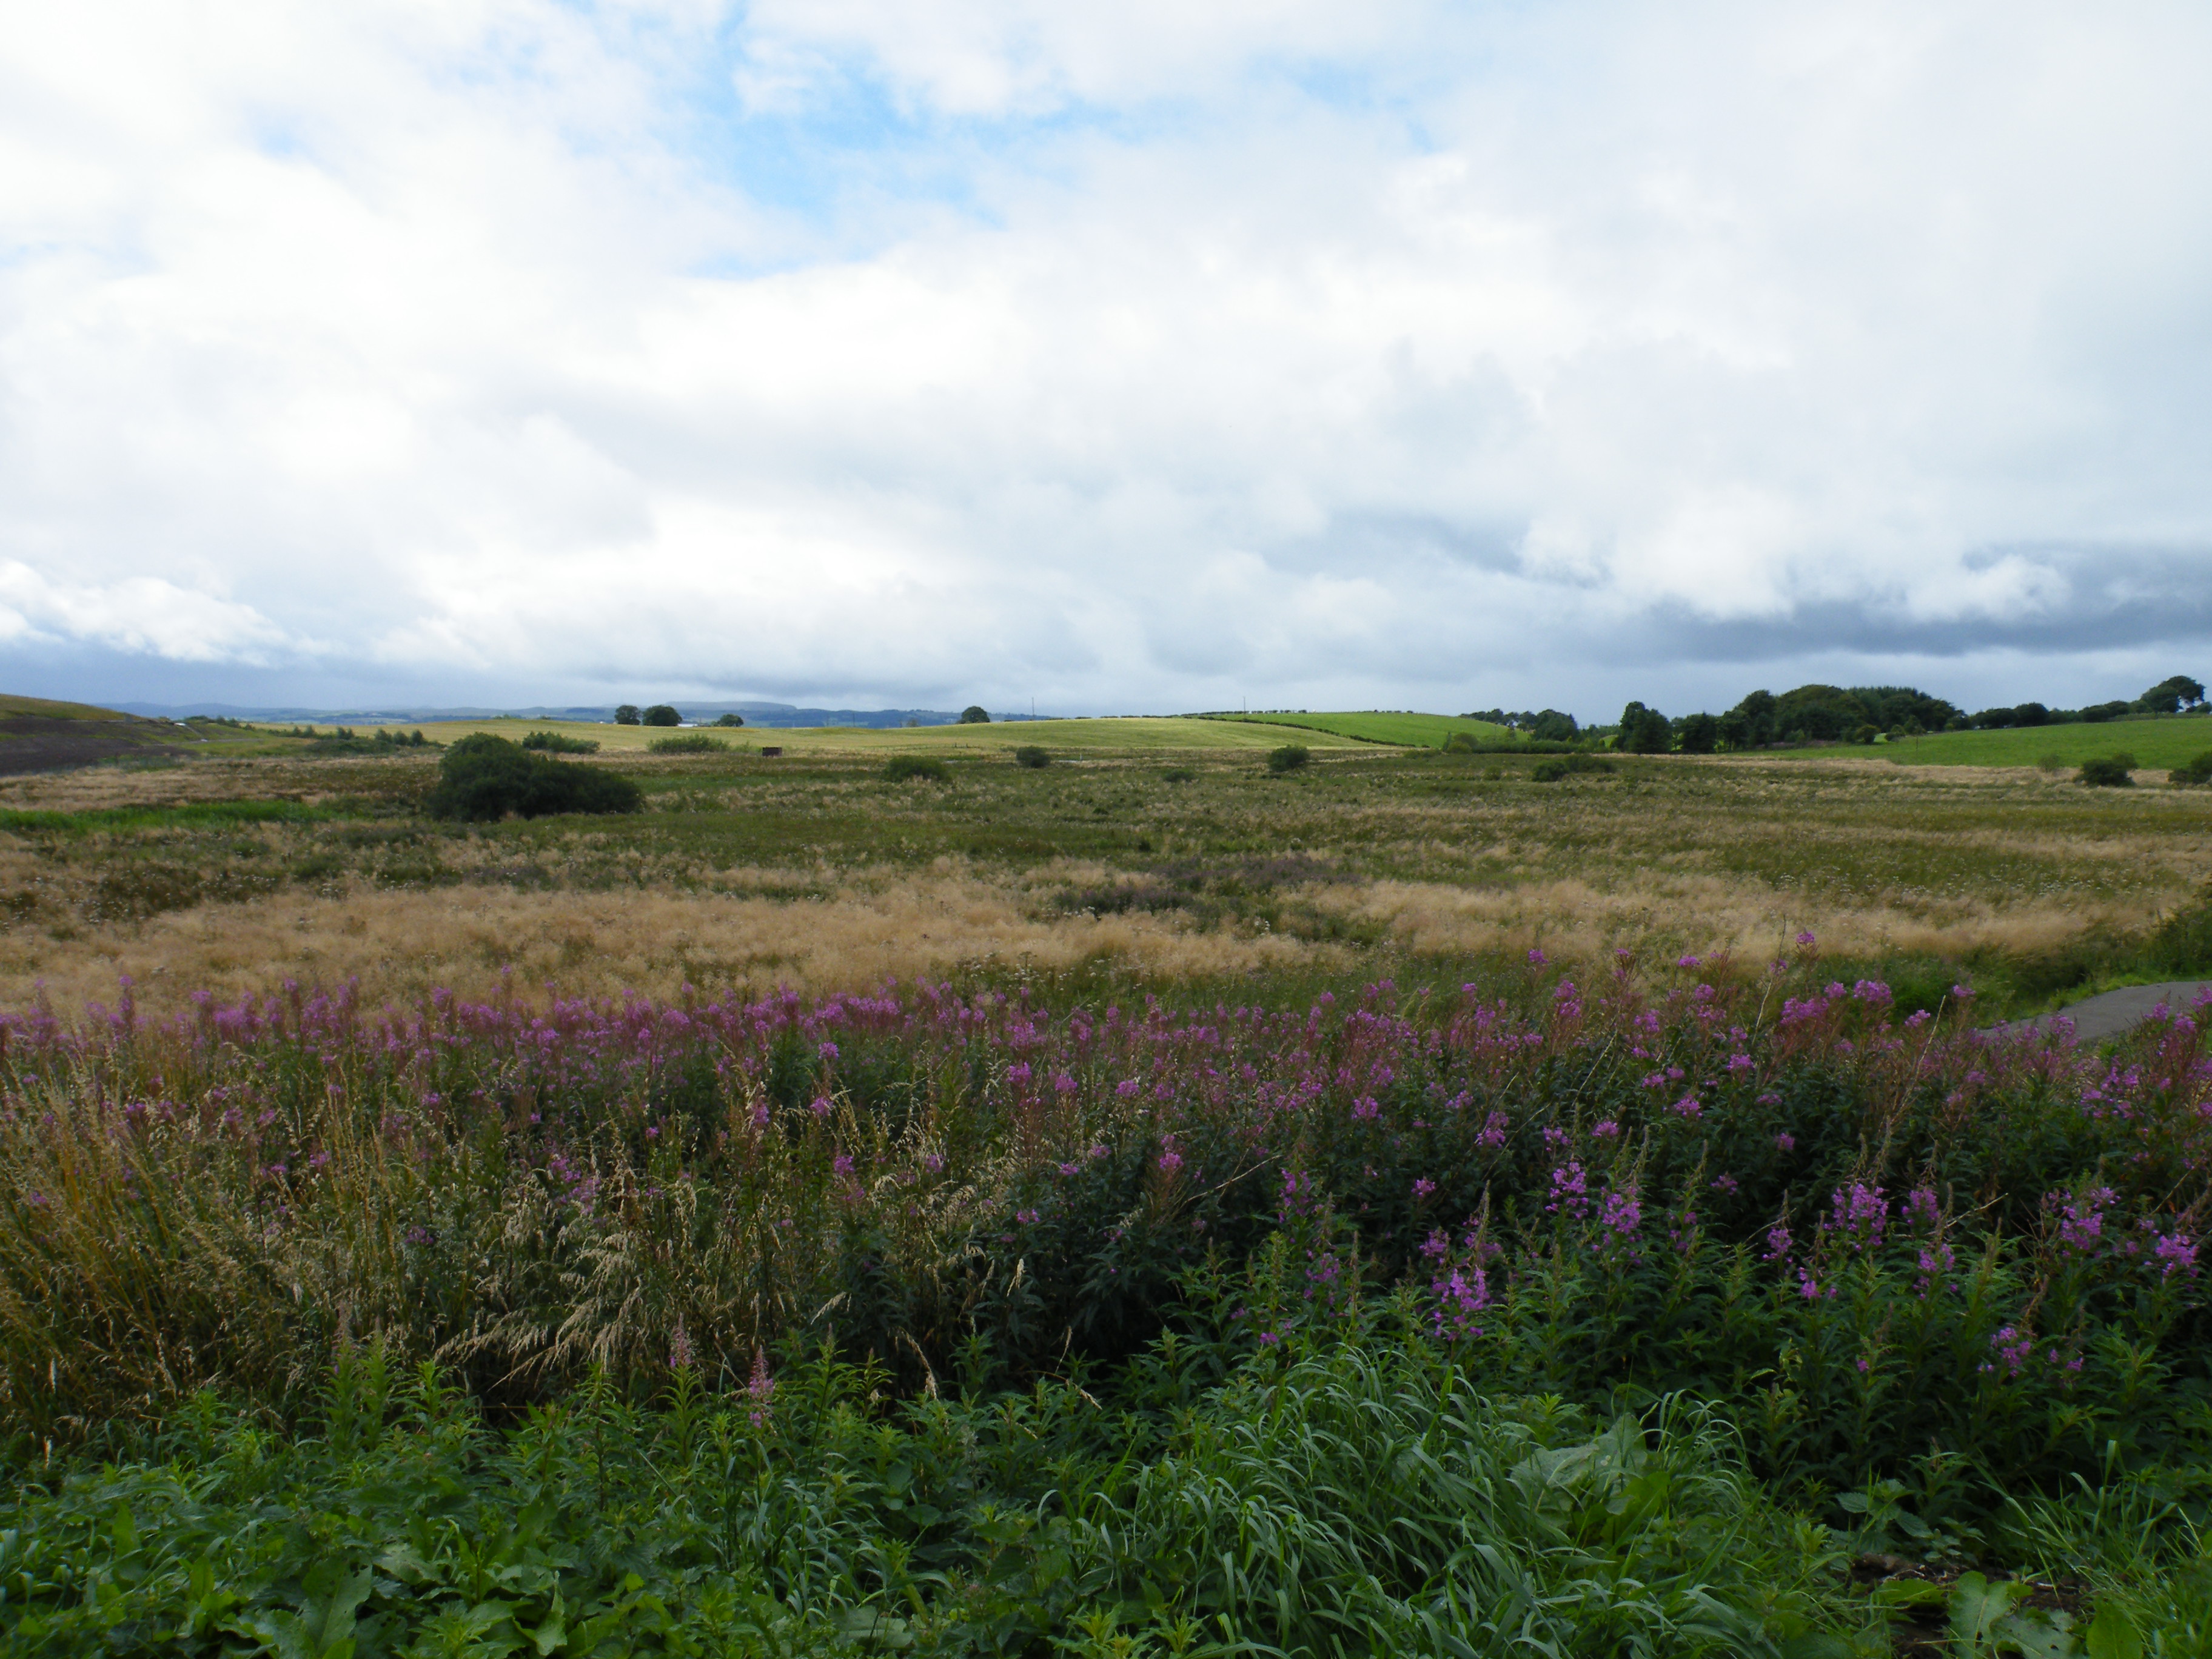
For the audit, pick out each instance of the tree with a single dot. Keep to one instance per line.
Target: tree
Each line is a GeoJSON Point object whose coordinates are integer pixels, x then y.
{"type": "Point", "coordinates": [1699, 734]}
{"type": "Point", "coordinates": [627, 714]}
{"type": "Point", "coordinates": [1757, 714]}
{"type": "Point", "coordinates": [1644, 731]}
{"type": "Point", "coordinates": [1553, 726]}
{"type": "Point", "coordinates": [662, 714]}
{"type": "Point", "coordinates": [731, 719]}
{"type": "Point", "coordinates": [2170, 696]}
{"type": "Point", "coordinates": [974, 715]}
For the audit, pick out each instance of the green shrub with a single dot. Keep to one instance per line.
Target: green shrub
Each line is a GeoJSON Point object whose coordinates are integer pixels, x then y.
{"type": "Point", "coordinates": [974, 715]}
{"type": "Point", "coordinates": [1550, 771]}
{"type": "Point", "coordinates": [1289, 758]}
{"type": "Point", "coordinates": [556, 743]}
{"type": "Point", "coordinates": [660, 714]}
{"type": "Point", "coordinates": [1177, 774]}
{"type": "Point", "coordinates": [903, 767]}
{"type": "Point", "coordinates": [483, 778]}
{"type": "Point", "coordinates": [2108, 772]}
{"type": "Point", "coordinates": [1029, 755]}
{"type": "Point", "coordinates": [691, 742]}
{"type": "Point", "coordinates": [2195, 773]}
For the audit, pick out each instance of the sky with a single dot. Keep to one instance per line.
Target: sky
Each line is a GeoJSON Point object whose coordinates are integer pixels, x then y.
{"type": "Point", "coordinates": [1134, 358]}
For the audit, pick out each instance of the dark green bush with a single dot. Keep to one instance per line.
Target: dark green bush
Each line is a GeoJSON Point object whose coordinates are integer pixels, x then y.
{"type": "Point", "coordinates": [731, 719]}
{"type": "Point", "coordinates": [903, 767]}
{"type": "Point", "coordinates": [556, 743]}
{"type": "Point", "coordinates": [974, 715]}
{"type": "Point", "coordinates": [1289, 758]}
{"type": "Point", "coordinates": [2196, 772]}
{"type": "Point", "coordinates": [2108, 771]}
{"type": "Point", "coordinates": [1030, 756]}
{"type": "Point", "coordinates": [661, 714]}
{"type": "Point", "coordinates": [1177, 774]}
{"type": "Point", "coordinates": [1550, 771]}
{"type": "Point", "coordinates": [691, 742]}
{"type": "Point", "coordinates": [483, 778]}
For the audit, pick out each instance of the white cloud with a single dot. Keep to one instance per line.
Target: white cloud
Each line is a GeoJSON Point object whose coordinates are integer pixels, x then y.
{"type": "Point", "coordinates": [1132, 356]}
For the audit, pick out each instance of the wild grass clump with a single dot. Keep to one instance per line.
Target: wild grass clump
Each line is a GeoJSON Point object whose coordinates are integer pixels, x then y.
{"type": "Point", "coordinates": [1029, 757]}
{"type": "Point", "coordinates": [901, 769]}
{"type": "Point", "coordinates": [690, 742]}
{"type": "Point", "coordinates": [559, 742]}
{"type": "Point", "coordinates": [1289, 758]}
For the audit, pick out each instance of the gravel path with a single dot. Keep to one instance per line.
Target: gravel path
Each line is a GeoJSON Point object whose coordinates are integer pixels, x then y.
{"type": "Point", "coordinates": [2117, 1012]}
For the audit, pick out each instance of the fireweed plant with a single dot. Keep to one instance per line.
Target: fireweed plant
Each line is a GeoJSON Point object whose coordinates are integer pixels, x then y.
{"type": "Point", "coordinates": [1893, 1249]}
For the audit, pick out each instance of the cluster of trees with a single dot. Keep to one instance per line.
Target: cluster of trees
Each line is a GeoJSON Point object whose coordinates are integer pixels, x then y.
{"type": "Point", "coordinates": [1859, 713]}
{"type": "Point", "coordinates": [1549, 726]}
{"type": "Point", "coordinates": [660, 714]}
{"type": "Point", "coordinates": [2169, 696]}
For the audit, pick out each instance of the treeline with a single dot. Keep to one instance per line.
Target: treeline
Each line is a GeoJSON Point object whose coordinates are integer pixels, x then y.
{"type": "Point", "coordinates": [1549, 726]}
{"type": "Point", "coordinates": [1863, 713]}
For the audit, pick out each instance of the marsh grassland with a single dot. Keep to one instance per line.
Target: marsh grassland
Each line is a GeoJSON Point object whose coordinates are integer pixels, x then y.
{"type": "Point", "coordinates": [1140, 1204]}
{"type": "Point", "coordinates": [811, 870]}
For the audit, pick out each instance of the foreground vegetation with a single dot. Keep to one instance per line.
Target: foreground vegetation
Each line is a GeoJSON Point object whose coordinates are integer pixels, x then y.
{"type": "Point", "coordinates": [1390, 1200]}
{"type": "Point", "coordinates": [1591, 1315]}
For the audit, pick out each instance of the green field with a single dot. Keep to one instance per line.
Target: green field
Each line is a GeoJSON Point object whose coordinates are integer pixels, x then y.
{"type": "Point", "coordinates": [1413, 731]}
{"type": "Point", "coordinates": [2157, 743]}
{"type": "Point", "coordinates": [1138, 734]}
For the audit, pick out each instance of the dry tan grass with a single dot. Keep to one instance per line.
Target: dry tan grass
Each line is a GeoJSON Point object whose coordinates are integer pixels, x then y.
{"type": "Point", "coordinates": [401, 944]}
{"type": "Point", "coordinates": [1575, 920]}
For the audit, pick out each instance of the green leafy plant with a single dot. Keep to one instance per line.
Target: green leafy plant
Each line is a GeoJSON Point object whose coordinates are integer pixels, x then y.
{"type": "Point", "coordinates": [558, 742]}
{"type": "Point", "coordinates": [2108, 772]}
{"type": "Point", "coordinates": [482, 778]}
{"type": "Point", "coordinates": [1032, 757]}
{"type": "Point", "coordinates": [691, 742]}
{"type": "Point", "coordinates": [903, 768]}
{"type": "Point", "coordinates": [974, 715]}
{"type": "Point", "coordinates": [2193, 773]}
{"type": "Point", "coordinates": [1289, 758]}
{"type": "Point", "coordinates": [661, 714]}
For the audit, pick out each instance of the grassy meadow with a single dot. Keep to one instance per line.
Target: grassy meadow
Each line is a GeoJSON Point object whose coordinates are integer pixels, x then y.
{"type": "Point", "coordinates": [2157, 742]}
{"type": "Point", "coordinates": [1143, 1205]}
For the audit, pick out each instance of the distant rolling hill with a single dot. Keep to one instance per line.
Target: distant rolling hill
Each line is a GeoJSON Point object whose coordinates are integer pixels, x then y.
{"type": "Point", "coordinates": [39, 735]}
{"type": "Point", "coordinates": [1412, 731]}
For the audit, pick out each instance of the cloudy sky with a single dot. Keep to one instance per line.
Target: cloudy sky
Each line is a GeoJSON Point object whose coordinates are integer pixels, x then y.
{"type": "Point", "coordinates": [1132, 357]}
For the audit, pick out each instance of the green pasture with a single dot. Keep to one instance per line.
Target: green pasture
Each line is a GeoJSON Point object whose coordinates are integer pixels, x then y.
{"type": "Point", "coordinates": [2157, 743]}
{"type": "Point", "coordinates": [1137, 734]}
{"type": "Point", "coordinates": [1413, 731]}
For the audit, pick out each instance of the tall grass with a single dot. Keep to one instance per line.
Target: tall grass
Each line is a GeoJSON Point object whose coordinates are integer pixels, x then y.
{"type": "Point", "coordinates": [1890, 1234]}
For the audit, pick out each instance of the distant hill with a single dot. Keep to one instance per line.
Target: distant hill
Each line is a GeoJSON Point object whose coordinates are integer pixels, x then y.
{"type": "Point", "coordinates": [1409, 730]}
{"type": "Point", "coordinates": [774, 714]}
{"type": "Point", "coordinates": [39, 735]}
